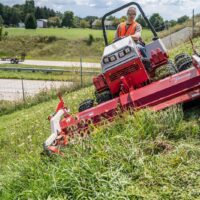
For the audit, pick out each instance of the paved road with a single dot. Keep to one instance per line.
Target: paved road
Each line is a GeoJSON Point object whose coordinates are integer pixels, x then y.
{"type": "Point", "coordinates": [177, 38]}
{"type": "Point", "coordinates": [11, 89]}
{"type": "Point", "coordinates": [57, 63]}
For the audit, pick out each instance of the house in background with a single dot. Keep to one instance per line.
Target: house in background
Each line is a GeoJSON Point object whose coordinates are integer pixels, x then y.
{"type": "Point", "coordinates": [42, 23]}
{"type": "Point", "coordinates": [108, 24]}
{"type": "Point", "coordinates": [21, 25]}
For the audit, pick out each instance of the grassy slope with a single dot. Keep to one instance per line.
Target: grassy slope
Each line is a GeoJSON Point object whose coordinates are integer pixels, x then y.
{"type": "Point", "coordinates": [70, 44]}
{"type": "Point", "coordinates": [133, 158]}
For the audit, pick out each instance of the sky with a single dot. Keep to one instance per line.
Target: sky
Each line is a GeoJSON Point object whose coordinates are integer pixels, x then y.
{"type": "Point", "coordinates": [168, 9]}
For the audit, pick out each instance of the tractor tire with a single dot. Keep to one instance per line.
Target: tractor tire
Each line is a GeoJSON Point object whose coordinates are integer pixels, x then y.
{"type": "Point", "coordinates": [179, 56]}
{"type": "Point", "coordinates": [183, 62]}
{"type": "Point", "coordinates": [167, 70]}
{"type": "Point", "coordinates": [172, 68]}
{"type": "Point", "coordinates": [89, 103]}
{"type": "Point", "coordinates": [103, 96]}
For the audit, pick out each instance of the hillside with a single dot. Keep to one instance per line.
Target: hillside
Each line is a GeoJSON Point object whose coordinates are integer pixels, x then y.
{"type": "Point", "coordinates": [134, 157]}
{"type": "Point", "coordinates": [57, 44]}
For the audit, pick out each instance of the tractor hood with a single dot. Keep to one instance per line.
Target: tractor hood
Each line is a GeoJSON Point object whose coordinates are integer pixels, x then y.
{"type": "Point", "coordinates": [119, 53]}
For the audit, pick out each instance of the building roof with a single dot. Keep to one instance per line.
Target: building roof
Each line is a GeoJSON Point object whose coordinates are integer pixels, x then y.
{"type": "Point", "coordinates": [43, 20]}
{"type": "Point", "coordinates": [107, 22]}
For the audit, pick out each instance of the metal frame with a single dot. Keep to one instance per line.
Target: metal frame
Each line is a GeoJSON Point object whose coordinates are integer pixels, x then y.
{"type": "Point", "coordinates": [121, 8]}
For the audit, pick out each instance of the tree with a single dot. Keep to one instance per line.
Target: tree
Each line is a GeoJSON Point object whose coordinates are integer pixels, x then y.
{"type": "Point", "coordinates": [29, 7]}
{"type": "Point", "coordinates": [77, 22]}
{"type": "Point", "coordinates": [30, 22]}
{"type": "Point", "coordinates": [123, 19]}
{"type": "Point", "coordinates": [39, 13]}
{"type": "Point", "coordinates": [54, 21]}
{"type": "Point", "coordinates": [1, 21]}
{"type": "Point", "coordinates": [182, 19]}
{"type": "Point", "coordinates": [1, 9]}
{"type": "Point", "coordinates": [90, 20]}
{"type": "Point", "coordinates": [98, 24]}
{"type": "Point", "coordinates": [68, 19]}
{"type": "Point", "coordinates": [116, 22]}
{"type": "Point", "coordinates": [14, 17]}
{"type": "Point", "coordinates": [20, 10]}
{"type": "Point", "coordinates": [157, 21]}
{"type": "Point", "coordinates": [141, 21]}
{"type": "Point", "coordinates": [172, 23]}
{"type": "Point", "coordinates": [84, 24]}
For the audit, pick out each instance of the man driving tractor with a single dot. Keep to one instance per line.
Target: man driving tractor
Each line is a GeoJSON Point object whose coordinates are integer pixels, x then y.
{"type": "Point", "coordinates": [131, 28]}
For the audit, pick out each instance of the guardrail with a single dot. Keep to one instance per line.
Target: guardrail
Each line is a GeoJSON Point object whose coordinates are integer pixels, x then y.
{"type": "Point", "coordinates": [46, 70]}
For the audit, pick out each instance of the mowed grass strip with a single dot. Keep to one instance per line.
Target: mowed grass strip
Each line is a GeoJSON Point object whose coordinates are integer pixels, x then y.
{"type": "Point", "coordinates": [74, 73]}
{"type": "Point", "coordinates": [72, 33]}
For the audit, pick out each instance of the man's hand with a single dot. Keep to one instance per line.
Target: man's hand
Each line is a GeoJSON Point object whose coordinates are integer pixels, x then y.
{"type": "Point", "coordinates": [135, 37]}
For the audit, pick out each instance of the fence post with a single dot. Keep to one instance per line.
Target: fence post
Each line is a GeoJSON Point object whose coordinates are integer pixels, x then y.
{"type": "Point", "coordinates": [81, 71]}
{"type": "Point", "coordinates": [23, 93]}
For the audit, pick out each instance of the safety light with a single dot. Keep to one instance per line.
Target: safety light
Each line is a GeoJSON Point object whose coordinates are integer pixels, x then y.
{"type": "Point", "coordinates": [112, 58]}
{"type": "Point", "coordinates": [127, 50]}
{"type": "Point", "coordinates": [121, 54]}
{"type": "Point", "coordinates": [106, 60]}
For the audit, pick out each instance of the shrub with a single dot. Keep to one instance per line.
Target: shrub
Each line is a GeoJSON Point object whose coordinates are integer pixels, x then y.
{"type": "Point", "coordinates": [30, 22]}
{"type": "Point", "coordinates": [90, 40]}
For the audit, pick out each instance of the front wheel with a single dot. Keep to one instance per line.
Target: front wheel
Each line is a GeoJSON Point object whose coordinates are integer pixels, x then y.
{"type": "Point", "coordinates": [103, 96]}
{"type": "Point", "coordinates": [89, 103]}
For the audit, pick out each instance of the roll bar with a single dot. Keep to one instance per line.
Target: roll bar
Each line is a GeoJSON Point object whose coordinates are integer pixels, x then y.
{"type": "Point", "coordinates": [120, 8]}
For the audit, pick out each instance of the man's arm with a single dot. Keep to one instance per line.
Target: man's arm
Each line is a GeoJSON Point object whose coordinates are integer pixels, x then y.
{"type": "Point", "coordinates": [138, 32]}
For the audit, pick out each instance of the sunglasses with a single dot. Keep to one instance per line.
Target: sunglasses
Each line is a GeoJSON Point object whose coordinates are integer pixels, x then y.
{"type": "Point", "coordinates": [130, 14]}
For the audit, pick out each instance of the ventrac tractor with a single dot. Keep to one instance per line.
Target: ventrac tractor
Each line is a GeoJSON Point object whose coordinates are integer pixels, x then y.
{"type": "Point", "coordinates": [127, 82]}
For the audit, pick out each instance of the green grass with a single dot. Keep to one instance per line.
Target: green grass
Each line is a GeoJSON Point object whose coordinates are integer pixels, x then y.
{"type": "Point", "coordinates": [72, 34]}
{"type": "Point", "coordinates": [134, 157]}
{"type": "Point", "coordinates": [57, 44]}
{"type": "Point", "coordinates": [185, 47]}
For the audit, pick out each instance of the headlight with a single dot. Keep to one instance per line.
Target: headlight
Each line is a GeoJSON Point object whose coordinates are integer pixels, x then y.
{"type": "Point", "coordinates": [112, 58]}
{"type": "Point", "coordinates": [106, 60]}
{"type": "Point", "coordinates": [127, 50]}
{"type": "Point", "coordinates": [121, 54]}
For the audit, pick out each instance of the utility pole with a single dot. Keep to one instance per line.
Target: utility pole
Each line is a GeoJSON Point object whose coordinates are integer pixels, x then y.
{"type": "Point", "coordinates": [193, 23]}
{"type": "Point", "coordinates": [81, 71]}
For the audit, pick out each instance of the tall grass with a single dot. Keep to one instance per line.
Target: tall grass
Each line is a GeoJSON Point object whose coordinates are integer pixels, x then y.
{"type": "Point", "coordinates": [135, 157]}
{"type": "Point", "coordinates": [7, 107]}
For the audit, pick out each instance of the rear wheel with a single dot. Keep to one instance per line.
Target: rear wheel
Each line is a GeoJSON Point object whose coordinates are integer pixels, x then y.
{"type": "Point", "coordinates": [89, 103]}
{"type": "Point", "coordinates": [165, 71]}
{"type": "Point", "coordinates": [103, 96]}
{"type": "Point", "coordinates": [179, 56]}
{"type": "Point", "coordinates": [183, 61]}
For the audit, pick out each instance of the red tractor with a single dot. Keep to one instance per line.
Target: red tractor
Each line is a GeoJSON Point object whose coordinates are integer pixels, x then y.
{"type": "Point", "coordinates": [126, 82]}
